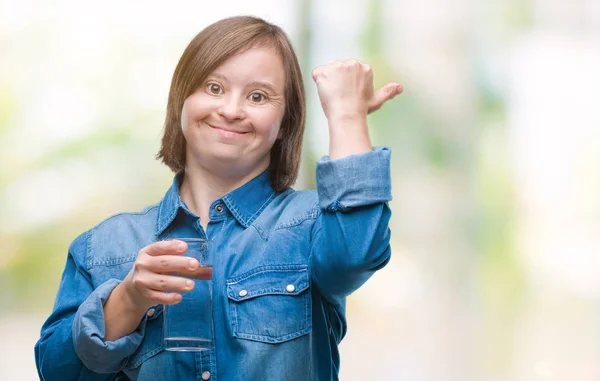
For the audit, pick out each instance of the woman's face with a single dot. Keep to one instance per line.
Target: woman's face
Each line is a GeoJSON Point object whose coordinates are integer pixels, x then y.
{"type": "Point", "coordinates": [232, 120]}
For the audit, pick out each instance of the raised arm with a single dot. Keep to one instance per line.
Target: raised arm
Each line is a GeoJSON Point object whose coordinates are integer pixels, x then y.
{"type": "Point", "coordinates": [351, 236]}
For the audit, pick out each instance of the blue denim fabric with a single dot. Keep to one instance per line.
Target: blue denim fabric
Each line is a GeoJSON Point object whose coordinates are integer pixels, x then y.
{"type": "Point", "coordinates": [326, 243]}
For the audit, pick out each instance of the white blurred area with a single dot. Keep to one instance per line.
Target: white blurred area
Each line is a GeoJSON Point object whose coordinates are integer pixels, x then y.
{"type": "Point", "coordinates": [554, 129]}
{"type": "Point", "coordinates": [555, 138]}
{"type": "Point", "coordinates": [83, 88]}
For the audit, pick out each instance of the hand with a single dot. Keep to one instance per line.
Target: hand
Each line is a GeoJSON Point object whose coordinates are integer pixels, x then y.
{"type": "Point", "coordinates": [346, 89]}
{"type": "Point", "coordinates": [153, 274]}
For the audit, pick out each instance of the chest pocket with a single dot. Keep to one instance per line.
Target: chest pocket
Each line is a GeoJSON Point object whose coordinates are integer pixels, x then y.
{"type": "Point", "coordinates": [270, 304]}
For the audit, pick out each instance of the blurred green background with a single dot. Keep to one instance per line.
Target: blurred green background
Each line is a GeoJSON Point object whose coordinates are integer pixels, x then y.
{"type": "Point", "coordinates": [496, 167]}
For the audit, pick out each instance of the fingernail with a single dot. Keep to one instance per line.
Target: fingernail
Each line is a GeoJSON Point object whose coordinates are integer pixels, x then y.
{"type": "Point", "coordinates": [189, 283]}
{"type": "Point", "coordinates": [193, 263]}
{"type": "Point", "coordinates": [181, 245]}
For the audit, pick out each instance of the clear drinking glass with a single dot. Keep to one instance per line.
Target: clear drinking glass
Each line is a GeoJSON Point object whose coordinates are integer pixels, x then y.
{"type": "Point", "coordinates": [188, 325]}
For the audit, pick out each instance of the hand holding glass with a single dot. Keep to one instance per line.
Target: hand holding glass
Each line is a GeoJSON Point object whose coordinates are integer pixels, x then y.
{"type": "Point", "coordinates": [188, 324]}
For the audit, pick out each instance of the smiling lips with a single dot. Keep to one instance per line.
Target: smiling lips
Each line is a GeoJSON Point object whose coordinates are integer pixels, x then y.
{"type": "Point", "coordinates": [227, 130]}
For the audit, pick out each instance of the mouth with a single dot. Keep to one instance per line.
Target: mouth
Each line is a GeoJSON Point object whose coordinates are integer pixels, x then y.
{"type": "Point", "coordinates": [227, 130]}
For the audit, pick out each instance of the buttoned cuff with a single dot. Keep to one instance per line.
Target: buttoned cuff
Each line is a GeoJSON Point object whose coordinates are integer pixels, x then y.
{"type": "Point", "coordinates": [89, 330]}
{"type": "Point", "coordinates": [355, 180]}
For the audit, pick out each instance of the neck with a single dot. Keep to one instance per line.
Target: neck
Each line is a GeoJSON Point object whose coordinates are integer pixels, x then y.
{"type": "Point", "coordinates": [201, 187]}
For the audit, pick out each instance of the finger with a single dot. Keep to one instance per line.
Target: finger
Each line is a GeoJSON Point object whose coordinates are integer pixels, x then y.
{"type": "Point", "coordinates": [383, 95]}
{"type": "Point", "coordinates": [201, 273]}
{"type": "Point", "coordinates": [320, 72]}
{"type": "Point", "coordinates": [172, 247]}
{"type": "Point", "coordinates": [316, 74]}
{"type": "Point", "coordinates": [161, 297]}
{"type": "Point", "coordinates": [171, 264]}
{"type": "Point", "coordinates": [159, 282]}
{"type": "Point", "coordinates": [367, 69]}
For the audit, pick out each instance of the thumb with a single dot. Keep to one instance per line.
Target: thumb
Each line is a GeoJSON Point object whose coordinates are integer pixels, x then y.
{"type": "Point", "coordinates": [383, 95]}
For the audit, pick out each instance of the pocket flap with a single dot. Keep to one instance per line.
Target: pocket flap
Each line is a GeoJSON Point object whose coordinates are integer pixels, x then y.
{"type": "Point", "coordinates": [268, 280]}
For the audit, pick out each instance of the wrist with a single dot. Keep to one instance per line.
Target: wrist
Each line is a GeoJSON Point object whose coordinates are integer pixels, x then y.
{"type": "Point", "coordinates": [348, 124]}
{"type": "Point", "coordinates": [347, 139]}
{"type": "Point", "coordinates": [346, 117]}
{"type": "Point", "coordinates": [129, 300]}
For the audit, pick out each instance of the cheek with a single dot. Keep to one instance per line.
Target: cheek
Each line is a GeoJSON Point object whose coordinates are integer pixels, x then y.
{"type": "Point", "coordinates": [195, 108]}
{"type": "Point", "coordinates": [275, 131]}
{"type": "Point", "coordinates": [271, 124]}
{"type": "Point", "coordinates": [184, 114]}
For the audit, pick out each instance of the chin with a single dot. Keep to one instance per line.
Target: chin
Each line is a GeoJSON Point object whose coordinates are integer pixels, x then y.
{"type": "Point", "coordinates": [227, 158]}
{"type": "Point", "coordinates": [224, 160]}
{"type": "Point", "coordinates": [225, 153]}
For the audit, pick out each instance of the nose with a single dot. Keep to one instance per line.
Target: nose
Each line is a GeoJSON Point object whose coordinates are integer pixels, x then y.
{"type": "Point", "coordinates": [231, 109]}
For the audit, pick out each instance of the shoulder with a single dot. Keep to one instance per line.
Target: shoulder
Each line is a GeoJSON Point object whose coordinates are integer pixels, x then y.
{"type": "Point", "coordinates": [288, 209]}
{"type": "Point", "coordinates": [127, 223]}
{"type": "Point", "coordinates": [117, 239]}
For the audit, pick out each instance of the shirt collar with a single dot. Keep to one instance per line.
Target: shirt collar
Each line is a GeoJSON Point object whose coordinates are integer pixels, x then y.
{"type": "Point", "coordinates": [169, 205]}
{"type": "Point", "coordinates": [245, 203]}
{"type": "Point", "coordinates": [248, 201]}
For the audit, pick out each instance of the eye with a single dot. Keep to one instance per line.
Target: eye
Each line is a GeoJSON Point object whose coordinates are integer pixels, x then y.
{"type": "Point", "coordinates": [214, 89]}
{"type": "Point", "coordinates": [257, 98]}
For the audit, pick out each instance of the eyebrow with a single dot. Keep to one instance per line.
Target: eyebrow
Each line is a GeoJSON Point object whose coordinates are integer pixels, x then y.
{"type": "Point", "coordinates": [263, 84]}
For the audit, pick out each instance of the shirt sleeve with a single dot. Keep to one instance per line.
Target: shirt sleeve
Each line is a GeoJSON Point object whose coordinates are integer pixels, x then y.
{"type": "Point", "coordinates": [70, 345]}
{"type": "Point", "coordinates": [350, 238]}
{"type": "Point", "coordinates": [89, 330]}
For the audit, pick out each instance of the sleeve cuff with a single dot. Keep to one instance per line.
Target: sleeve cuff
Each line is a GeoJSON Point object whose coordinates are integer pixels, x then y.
{"type": "Point", "coordinates": [353, 181]}
{"type": "Point", "coordinates": [89, 329]}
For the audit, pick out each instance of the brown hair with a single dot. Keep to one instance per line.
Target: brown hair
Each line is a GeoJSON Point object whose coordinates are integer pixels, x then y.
{"type": "Point", "coordinates": [206, 52]}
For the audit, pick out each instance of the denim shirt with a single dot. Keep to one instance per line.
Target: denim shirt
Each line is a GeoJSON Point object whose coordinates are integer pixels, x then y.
{"type": "Point", "coordinates": [326, 243]}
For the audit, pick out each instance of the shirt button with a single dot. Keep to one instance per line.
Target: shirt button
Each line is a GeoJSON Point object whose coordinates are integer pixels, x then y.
{"type": "Point", "coordinates": [290, 288]}
{"type": "Point", "coordinates": [206, 375]}
{"type": "Point", "coordinates": [243, 293]}
{"type": "Point", "coordinates": [150, 312]}
{"type": "Point", "coordinates": [219, 208]}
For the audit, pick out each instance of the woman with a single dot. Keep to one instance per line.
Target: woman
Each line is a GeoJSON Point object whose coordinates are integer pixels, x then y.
{"type": "Point", "coordinates": [233, 134]}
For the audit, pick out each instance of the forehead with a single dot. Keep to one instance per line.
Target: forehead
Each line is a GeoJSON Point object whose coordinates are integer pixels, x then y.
{"type": "Point", "coordinates": [254, 64]}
